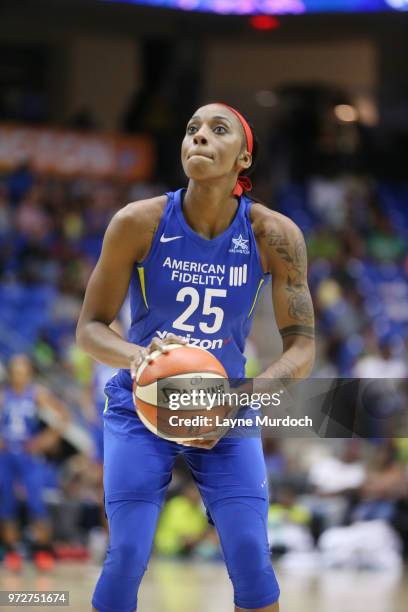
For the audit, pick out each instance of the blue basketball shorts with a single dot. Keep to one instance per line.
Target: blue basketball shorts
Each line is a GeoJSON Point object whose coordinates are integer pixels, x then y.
{"type": "Point", "coordinates": [232, 481]}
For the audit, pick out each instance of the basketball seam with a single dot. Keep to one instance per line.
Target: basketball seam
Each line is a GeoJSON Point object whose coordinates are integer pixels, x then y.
{"type": "Point", "coordinates": [187, 373]}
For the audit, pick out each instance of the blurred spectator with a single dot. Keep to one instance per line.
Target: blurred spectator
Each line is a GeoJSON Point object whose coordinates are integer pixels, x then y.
{"type": "Point", "coordinates": [24, 440]}
{"type": "Point", "coordinates": [384, 484]}
{"type": "Point", "coordinates": [333, 475]}
{"type": "Point", "coordinates": [19, 182]}
{"type": "Point", "coordinates": [31, 219]}
{"type": "Point", "coordinates": [373, 545]}
{"type": "Point", "coordinates": [79, 508]}
{"type": "Point", "coordinates": [340, 308]}
{"type": "Point", "coordinates": [334, 481]}
{"type": "Point", "coordinates": [182, 525]}
{"type": "Point", "coordinates": [384, 244]}
{"type": "Point", "coordinates": [380, 362]}
{"type": "Point", "coordinates": [325, 361]}
{"type": "Point", "coordinates": [289, 524]}
{"type": "Point", "coordinates": [323, 243]}
{"type": "Point", "coordinates": [328, 200]}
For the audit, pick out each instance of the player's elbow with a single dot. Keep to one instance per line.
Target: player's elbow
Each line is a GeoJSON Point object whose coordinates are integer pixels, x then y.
{"type": "Point", "coordinates": [82, 335]}
{"type": "Point", "coordinates": [88, 333]}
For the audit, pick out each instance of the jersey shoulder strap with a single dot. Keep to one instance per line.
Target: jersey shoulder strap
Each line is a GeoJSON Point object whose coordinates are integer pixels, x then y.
{"type": "Point", "coordinates": [164, 219]}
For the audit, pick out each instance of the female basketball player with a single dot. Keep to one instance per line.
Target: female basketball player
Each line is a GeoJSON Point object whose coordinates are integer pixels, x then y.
{"type": "Point", "coordinates": [195, 261]}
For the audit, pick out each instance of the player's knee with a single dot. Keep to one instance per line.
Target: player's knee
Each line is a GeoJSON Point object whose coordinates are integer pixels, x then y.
{"type": "Point", "coordinates": [127, 560]}
{"type": "Point", "coordinates": [248, 552]}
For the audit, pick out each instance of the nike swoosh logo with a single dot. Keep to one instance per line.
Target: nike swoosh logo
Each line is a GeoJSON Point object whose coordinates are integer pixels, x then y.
{"type": "Point", "coordinates": [164, 239]}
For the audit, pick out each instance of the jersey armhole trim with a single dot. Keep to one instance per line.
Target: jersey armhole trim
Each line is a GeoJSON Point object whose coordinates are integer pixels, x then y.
{"type": "Point", "coordinates": [261, 282]}
{"type": "Point", "coordinates": [141, 271]}
{"type": "Point", "coordinates": [265, 275]}
{"type": "Point", "coordinates": [106, 407]}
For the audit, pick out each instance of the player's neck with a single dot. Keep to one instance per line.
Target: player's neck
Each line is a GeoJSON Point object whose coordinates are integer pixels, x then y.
{"type": "Point", "coordinates": [209, 208]}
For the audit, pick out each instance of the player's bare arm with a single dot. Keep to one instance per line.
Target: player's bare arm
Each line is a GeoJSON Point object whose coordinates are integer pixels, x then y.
{"type": "Point", "coordinates": [127, 241]}
{"type": "Point", "coordinates": [284, 255]}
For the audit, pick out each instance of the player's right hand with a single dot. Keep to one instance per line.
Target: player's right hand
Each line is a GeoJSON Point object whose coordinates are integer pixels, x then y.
{"type": "Point", "coordinates": [156, 344]}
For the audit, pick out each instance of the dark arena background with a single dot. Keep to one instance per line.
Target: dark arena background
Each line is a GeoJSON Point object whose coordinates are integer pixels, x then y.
{"type": "Point", "coordinates": [94, 100]}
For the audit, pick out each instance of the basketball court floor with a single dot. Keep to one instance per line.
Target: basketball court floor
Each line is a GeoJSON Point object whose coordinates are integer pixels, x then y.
{"type": "Point", "coordinates": [204, 587]}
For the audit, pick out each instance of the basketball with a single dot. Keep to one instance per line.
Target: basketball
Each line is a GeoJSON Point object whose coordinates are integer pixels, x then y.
{"type": "Point", "coordinates": [179, 394]}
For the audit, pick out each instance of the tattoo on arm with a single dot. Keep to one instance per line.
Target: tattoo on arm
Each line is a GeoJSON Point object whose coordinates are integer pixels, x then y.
{"type": "Point", "coordinates": [283, 368]}
{"type": "Point", "coordinates": [297, 330]}
{"type": "Point", "coordinates": [300, 305]}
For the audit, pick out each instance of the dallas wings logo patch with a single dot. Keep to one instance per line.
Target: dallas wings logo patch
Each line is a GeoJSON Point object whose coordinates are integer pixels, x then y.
{"type": "Point", "coordinates": [240, 245]}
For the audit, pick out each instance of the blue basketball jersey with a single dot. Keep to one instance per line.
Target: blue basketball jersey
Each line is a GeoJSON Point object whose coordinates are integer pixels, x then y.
{"type": "Point", "coordinates": [19, 420]}
{"type": "Point", "coordinates": [204, 290]}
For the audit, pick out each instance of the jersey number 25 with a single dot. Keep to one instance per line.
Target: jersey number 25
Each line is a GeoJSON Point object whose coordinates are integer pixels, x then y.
{"type": "Point", "coordinates": [216, 311]}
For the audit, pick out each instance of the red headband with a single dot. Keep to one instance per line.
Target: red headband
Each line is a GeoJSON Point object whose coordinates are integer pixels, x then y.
{"type": "Point", "coordinates": [243, 182]}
